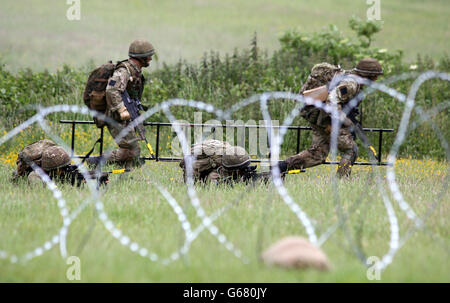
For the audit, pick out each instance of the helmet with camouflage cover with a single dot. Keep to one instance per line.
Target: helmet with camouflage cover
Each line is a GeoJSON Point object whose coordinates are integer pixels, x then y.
{"type": "Point", "coordinates": [235, 158]}
{"type": "Point", "coordinates": [368, 67]}
{"type": "Point", "coordinates": [141, 49]}
{"type": "Point", "coordinates": [54, 157]}
{"type": "Point", "coordinates": [33, 152]}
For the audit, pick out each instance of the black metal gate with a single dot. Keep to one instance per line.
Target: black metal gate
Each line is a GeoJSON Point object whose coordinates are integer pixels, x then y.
{"type": "Point", "coordinates": [158, 126]}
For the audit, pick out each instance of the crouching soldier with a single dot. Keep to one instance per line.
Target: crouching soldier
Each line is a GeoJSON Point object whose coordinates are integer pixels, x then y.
{"type": "Point", "coordinates": [54, 161]}
{"type": "Point", "coordinates": [219, 162]}
{"type": "Point", "coordinates": [331, 84]}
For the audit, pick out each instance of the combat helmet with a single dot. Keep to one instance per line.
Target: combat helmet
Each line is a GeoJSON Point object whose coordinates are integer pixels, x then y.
{"type": "Point", "coordinates": [54, 157]}
{"type": "Point", "coordinates": [235, 158]}
{"type": "Point", "coordinates": [368, 67]}
{"type": "Point", "coordinates": [140, 49]}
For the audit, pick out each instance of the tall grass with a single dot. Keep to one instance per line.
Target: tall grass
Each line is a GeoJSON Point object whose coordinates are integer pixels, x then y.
{"type": "Point", "coordinates": [257, 218]}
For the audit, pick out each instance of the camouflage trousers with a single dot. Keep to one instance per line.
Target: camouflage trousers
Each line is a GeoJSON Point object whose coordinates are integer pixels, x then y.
{"type": "Point", "coordinates": [320, 148]}
{"type": "Point", "coordinates": [129, 150]}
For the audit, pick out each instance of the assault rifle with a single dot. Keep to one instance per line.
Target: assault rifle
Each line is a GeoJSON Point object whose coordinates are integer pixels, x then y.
{"type": "Point", "coordinates": [134, 106]}
{"type": "Point", "coordinates": [359, 132]}
{"type": "Point", "coordinates": [251, 175]}
{"type": "Point", "coordinates": [76, 177]}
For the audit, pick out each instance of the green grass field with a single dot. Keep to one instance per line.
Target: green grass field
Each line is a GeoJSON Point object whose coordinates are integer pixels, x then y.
{"type": "Point", "coordinates": [29, 217]}
{"type": "Point", "coordinates": [37, 34]}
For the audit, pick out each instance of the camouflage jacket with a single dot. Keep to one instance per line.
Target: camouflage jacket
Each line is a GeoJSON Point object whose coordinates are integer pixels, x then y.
{"type": "Point", "coordinates": [321, 74]}
{"type": "Point", "coordinates": [127, 76]}
{"type": "Point", "coordinates": [343, 88]}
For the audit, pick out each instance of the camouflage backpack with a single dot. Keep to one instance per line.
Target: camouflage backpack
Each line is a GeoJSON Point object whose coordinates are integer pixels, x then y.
{"type": "Point", "coordinates": [94, 95]}
{"type": "Point", "coordinates": [208, 155]}
{"type": "Point", "coordinates": [31, 153]}
{"type": "Point", "coordinates": [321, 74]}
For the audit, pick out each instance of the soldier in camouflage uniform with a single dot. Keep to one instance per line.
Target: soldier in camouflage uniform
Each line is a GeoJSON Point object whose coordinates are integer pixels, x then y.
{"type": "Point", "coordinates": [127, 76]}
{"type": "Point", "coordinates": [218, 162]}
{"type": "Point", "coordinates": [344, 88]}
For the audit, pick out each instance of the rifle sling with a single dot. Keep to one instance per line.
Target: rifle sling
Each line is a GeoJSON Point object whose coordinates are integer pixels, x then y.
{"type": "Point", "coordinates": [92, 149]}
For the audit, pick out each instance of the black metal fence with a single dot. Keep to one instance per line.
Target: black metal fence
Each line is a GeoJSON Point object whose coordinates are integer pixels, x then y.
{"type": "Point", "coordinates": [158, 126]}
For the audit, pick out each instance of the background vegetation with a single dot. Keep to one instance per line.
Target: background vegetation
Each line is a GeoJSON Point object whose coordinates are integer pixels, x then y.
{"type": "Point", "coordinates": [37, 34]}
{"type": "Point", "coordinates": [224, 81]}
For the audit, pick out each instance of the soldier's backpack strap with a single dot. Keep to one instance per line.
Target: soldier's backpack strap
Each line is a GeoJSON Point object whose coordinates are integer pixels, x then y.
{"type": "Point", "coordinates": [126, 64]}
{"type": "Point", "coordinates": [123, 63]}
{"type": "Point", "coordinates": [92, 150]}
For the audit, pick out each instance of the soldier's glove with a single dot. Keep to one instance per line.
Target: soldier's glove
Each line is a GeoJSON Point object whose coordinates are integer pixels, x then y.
{"type": "Point", "coordinates": [124, 114]}
{"type": "Point", "coordinates": [144, 107]}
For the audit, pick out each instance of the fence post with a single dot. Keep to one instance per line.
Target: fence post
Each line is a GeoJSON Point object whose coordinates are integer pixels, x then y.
{"type": "Point", "coordinates": [298, 140]}
{"type": "Point", "coordinates": [73, 139]}
{"type": "Point", "coordinates": [101, 140]}
{"type": "Point", "coordinates": [380, 142]}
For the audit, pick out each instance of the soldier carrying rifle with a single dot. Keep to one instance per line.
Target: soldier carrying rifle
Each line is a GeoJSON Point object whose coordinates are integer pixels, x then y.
{"type": "Point", "coordinates": [119, 100]}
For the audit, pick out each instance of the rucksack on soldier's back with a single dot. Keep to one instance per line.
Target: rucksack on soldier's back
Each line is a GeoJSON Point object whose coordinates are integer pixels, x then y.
{"type": "Point", "coordinates": [94, 95]}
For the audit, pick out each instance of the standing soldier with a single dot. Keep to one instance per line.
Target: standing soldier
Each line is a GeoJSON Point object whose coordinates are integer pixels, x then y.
{"type": "Point", "coordinates": [128, 77]}
{"type": "Point", "coordinates": [344, 88]}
